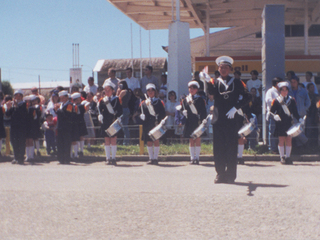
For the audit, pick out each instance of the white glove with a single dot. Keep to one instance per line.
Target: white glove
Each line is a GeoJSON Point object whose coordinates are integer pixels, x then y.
{"type": "Point", "coordinates": [185, 113]}
{"type": "Point", "coordinates": [204, 121]}
{"type": "Point", "coordinates": [277, 117]}
{"type": "Point", "coordinates": [267, 116]}
{"type": "Point", "coordinates": [231, 113]}
{"type": "Point", "coordinates": [163, 122]}
{"type": "Point", "coordinates": [100, 118]}
{"type": "Point", "coordinates": [142, 117]}
{"type": "Point", "coordinates": [240, 112]}
{"type": "Point", "coordinates": [147, 101]}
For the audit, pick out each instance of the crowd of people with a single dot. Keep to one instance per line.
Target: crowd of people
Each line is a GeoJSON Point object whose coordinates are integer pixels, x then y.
{"type": "Point", "coordinates": [68, 120]}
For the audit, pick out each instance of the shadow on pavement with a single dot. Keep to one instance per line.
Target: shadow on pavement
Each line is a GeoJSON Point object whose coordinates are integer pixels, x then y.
{"type": "Point", "coordinates": [128, 165]}
{"type": "Point", "coordinates": [257, 165]}
{"type": "Point", "coordinates": [167, 165]}
{"type": "Point", "coordinates": [207, 164]}
{"type": "Point", "coordinates": [253, 186]}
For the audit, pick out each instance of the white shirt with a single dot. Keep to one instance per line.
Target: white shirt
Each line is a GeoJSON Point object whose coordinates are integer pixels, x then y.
{"type": "Point", "coordinates": [271, 94]}
{"type": "Point", "coordinates": [171, 108]}
{"type": "Point", "coordinates": [133, 83]}
{"type": "Point", "coordinates": [93, 89]}
{"type": "Point", "coordinates": [254, 84]}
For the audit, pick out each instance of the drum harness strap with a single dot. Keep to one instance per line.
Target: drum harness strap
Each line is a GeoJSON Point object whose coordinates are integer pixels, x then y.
{"type": "Point", "coordinates": [192, 107]}
{"type": "Point", "coordinates": [150, 108]}
{"type": "Point", "coordinates": [284, 104]}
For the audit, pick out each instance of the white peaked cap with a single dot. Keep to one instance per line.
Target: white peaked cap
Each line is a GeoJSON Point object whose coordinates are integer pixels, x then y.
{"type": "Point", "coordinates": [150, 85]}
{"type": "Point", "coordinates": [283, 84]}
{"type": "Point", "coordinates": [194, 83]}
{"type": "Point", "coordinates": [63, 93]}
{"type": "Point", "coordinates": [75, 95]}
{"type": "Point", "coordinates": [32, 97]}
{"type": "Point", "coordinates": [109, 84]}
{"type": "Point", "coordinates": [224, 60]}
{"type": "Point", "coordinates": [19, 91]}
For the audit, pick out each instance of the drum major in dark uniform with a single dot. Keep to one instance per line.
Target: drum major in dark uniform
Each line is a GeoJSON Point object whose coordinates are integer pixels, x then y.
{"type": "Point", "coordinates": [65, 114]}
{"type": "Point", "coordinates": [194, 109]}
{"type": "Point", "coordinates": [152, 113]}
{"type": "Point", "coordinates": [283, 108]}
{"type": "Point", "coordinates": [110, 110]}
{"type": "Point", "coordinates": [18, 113]}
{"type": "Point", "coordinates": [230, 95]}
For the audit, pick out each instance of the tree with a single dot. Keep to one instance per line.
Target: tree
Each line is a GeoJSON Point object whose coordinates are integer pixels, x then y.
{"type": "Point", "coordinates": [7, 88]}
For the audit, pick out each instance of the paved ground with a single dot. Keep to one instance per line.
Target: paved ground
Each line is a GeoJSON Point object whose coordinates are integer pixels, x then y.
{"type": "Point", "coordinates": [170, 201]}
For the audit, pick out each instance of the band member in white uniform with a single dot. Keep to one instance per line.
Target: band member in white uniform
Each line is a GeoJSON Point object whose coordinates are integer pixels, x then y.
{"type": "Point", "coordinates": [194, 109]}
{"type": "Point", "coordinates": [152, 113]}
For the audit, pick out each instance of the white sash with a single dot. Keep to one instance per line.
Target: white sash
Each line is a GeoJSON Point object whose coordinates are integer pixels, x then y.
{"type": "Point", "coordinates": [191, 105]}
{"type": "Point", "coordinates": [108, 104]}
{"type": "Point", "coordinates": [283, 105]}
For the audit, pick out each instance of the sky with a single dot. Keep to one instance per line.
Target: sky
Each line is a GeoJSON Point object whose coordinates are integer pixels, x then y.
{"type": "Point", "coordinates": [37, 38]}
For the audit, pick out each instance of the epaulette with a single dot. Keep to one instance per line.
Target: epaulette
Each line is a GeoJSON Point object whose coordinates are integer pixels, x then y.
{"type": "Point", "coordinates": [250, 103]}
{"type": "Point", "coordinates": [273, 102]}
{"type": "Point", "coordinates": [120, 100]}
{"type": "Point", "coordinates": [244, 85]}
{"type": "Point", "coordinates": [69, 107]}
{"type": "Point", "coordinates": [3, 109]}
{"type": "Point", "coordinates": [75, 108]}
{"type": "Point", "coordinates": [318, 104]}
{"type": "Point", "coordinates": [212, 81]}
{"type": "Point", "coordinates": [162, 103]}
{"type": "Point", "coordinates": [141, 103]}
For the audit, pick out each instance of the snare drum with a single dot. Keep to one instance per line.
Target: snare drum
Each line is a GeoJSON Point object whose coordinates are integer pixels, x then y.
{"type": "Point", "coordinates": [246, 129]}
{"type": "Point", "coordinates": [199, 131]}
{"type": "Point", "coordinates": [295, 130]}
{"type": "Point", "coordinates": [114, 128]}
{"type": "Point", "coordinates": [157, 132]}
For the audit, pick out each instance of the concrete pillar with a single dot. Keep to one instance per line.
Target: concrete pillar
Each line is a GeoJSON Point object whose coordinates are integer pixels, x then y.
{"type": "Point", "coordinates": [273, 51]}
{"type": "Point", "coordinates": [179, 58]}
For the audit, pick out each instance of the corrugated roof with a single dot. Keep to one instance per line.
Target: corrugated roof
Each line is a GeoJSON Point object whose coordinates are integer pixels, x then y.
{"type": "Point", "coordinates": [122, 64]}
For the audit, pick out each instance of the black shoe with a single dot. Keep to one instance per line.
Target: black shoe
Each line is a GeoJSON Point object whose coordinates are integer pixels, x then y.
{"type": "Point", "coordinates": [109, 162]}
{"type": "Point", "coordinates": [38, 154]}
{"type": "Point", "coordinates": [240, 161]}
{"type": "Point", "coordinates": [114, 162]}
{"type": "Point", "coordinates": [230, 181]}
{"type": "Point", "coordinates": [220, 179]}
{"type": "Point", "coordinates": [150, 162]}
{"type": "Point", "coordinates": [14, 161]}
{"type": "Point", "coordinates": [288, 161]}
{"type": "Point", "coordinates": [196, 161]}
{"type": "Point", "coordinates": [283, 160]}
{"type": "Point", "coordinates": [155, 162]}
{"type": "Point", "coordinates": [191, 161]}
{"type": "Point", "coordinates": [80, 154]}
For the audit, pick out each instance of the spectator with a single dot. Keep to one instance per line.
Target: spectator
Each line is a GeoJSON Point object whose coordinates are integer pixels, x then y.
{"type": "Point", "coordinates": [309, 76]}
{"type": "Point", "coordinates": [91, 118]}
{"type": "Point", "coordinates": [91, 87]}
{"type": "Point", "coordinates": [124, 94]}
{"type": "Point", "coordinates": [256, 104]}
{"type": "Point", "coordinates": [53, 100]}
{"type": "Point", "coordinates": [132, 82]}
{"type": "Point", "coordinates": [254, 82]}
{"type": "Point", "coordinates": [112, 78]}
{"type": "Point", "coordinates": [312, 119]}
{"type": "Point", "coordinates": [140, 97]}
{"type": "Point", "coordinates": [34, 91]}
{"type": "Point", "coordinates": [272, 94]}
{"type": "Point", "coordinates": [300, 94]}
{"type": "Point", "coordinates": [163, 87]}
{"type": "Point", "coordinates": [148, 78]}
{"type": "Point", "coordinates": [7, 124]}
{"type": "Point", "coordinates": [180, 121]}
{"type": "Point", "coordinates": [170, 112]}
{"type": "Point", "coordinates": [49, 126]}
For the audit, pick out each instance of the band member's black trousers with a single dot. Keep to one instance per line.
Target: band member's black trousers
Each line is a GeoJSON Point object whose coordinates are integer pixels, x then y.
{"type": "Point", "coordinates": [225, 137]}
{"type": "Point", "coordinates": [64, 144]}
{"type": "Point", "coordinates": [18, 141]}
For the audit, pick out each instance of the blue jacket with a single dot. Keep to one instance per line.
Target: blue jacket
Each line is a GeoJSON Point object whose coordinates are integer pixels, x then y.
{"type": "Point", "coordinates": [302, 100]}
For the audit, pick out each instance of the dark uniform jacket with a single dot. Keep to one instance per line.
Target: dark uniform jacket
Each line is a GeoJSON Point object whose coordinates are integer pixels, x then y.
{"type": "Point", "coordinates": [235, 95]}
{"type": "Point", "coordinates": [18, 116]}
{"type": "Point", "coordinates": [109, 118]}
{"type": "Point", "coordinates": [286, 120]}
{"type": "Point", "coordinates": [80, 125]}
{"type": "Point", "coordinates": [194, 120]}
{"type": "Point", "coordinates": [66, 115]}
{"type": "Point", "coordinates": [151, 121]}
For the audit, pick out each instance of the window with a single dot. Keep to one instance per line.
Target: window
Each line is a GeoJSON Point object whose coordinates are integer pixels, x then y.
{"type": "Point", "coordinates": [314, 30]}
